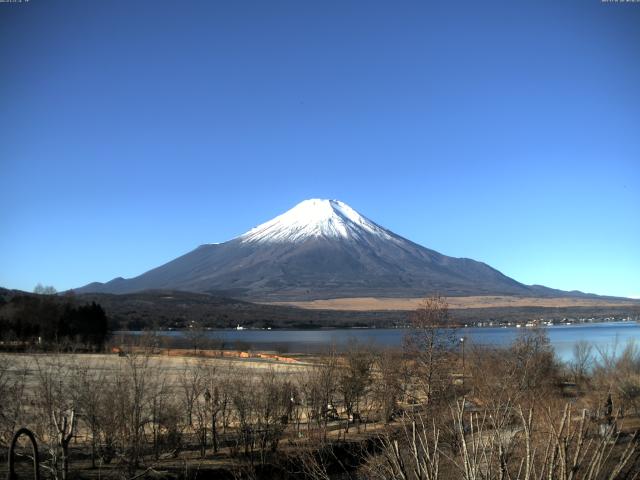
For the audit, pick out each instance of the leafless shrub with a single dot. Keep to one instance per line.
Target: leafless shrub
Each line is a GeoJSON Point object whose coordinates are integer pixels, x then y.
{"type": "Point", "coordinates": [537, 447]}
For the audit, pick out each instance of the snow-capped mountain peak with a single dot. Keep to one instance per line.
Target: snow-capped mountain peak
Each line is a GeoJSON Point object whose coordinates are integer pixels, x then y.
{"type": "Point", "coordinates": [319, 249]}
{"type": "Point", "coordinates": [315, 218]}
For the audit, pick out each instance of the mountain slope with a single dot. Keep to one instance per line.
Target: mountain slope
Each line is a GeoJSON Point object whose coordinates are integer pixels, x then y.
{"type": "Point", "coordinates": [321, 249]}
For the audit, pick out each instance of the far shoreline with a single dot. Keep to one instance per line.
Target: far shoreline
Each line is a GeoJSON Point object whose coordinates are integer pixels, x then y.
{"type": "Point", "coordinates": [480, 324]}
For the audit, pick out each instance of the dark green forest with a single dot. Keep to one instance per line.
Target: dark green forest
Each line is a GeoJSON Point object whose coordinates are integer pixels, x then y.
{"type": "Point", "coordinates": [46, 320]}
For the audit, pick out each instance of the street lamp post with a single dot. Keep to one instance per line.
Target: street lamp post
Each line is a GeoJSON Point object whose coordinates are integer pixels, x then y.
{"type": "Point", "coordinates": [462, 346]}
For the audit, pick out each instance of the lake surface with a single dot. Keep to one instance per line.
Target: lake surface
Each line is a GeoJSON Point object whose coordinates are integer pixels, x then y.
{"type": "Point", "coordinates": [601, 335]}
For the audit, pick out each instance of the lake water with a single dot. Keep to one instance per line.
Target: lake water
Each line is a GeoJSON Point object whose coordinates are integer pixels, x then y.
{"type": "Point", "coordinates": [563, 337]}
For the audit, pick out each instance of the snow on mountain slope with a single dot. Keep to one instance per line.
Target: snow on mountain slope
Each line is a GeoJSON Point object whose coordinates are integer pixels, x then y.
{"type": "Point", "coordinates": [316, 218]}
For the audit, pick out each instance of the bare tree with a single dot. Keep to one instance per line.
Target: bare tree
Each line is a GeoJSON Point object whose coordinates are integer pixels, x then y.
{"type": "Point", "coordinates": [196, 335]}
{"type": "Point", "coordinates": [355, 379]}
{"type": "Point", "coordinates": [617, 373]}
{"type": "Point", "coordinates": [533, 362]}
{"type": "Point", "coordinates": [582, 359]}
{"type": "Point", "coordinates": [90, 392]}
{"type": "Point", "coordinates": [165, 415]}
{"type": "Point", "coordinates": [215, 402]}
{"type": "Point", "coordinates": [44, 289]}
{"type": "Point", "coordinates": [243, 400]}
{"type": "Point", "coordinates": [13, 395]}
{"type": "Point", "coordinates": [272, 402]}
{"type": "Point", "coordinates": [429, 343]}
{"type": "Point", "coordinates": [129, 409]}
{"type": "Point", "coordinates": [558, 449]}
{"type": "Point", "coordinates": [191, 383]}
{"type": "Point", "coordinates": [390, 382]}
{"type": "Point", "coordinates": [319, 391]}
{"type": "Point", "coordinates": [56, 406]}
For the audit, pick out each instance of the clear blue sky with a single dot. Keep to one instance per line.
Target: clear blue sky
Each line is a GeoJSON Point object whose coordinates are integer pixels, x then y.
{"type": "Point", "coordinates": [133, 131]}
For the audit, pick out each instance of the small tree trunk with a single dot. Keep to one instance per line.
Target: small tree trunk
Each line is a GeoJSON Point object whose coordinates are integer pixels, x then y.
{"type": "Point", "coordinates": [214, 434]}
{"type": "Point", "coordinates": [65, 434]}
{"type": "Point", "coordinates": [203, 441]}
{"type": "Point", "coordinates": [65, 461]}
{"type": "Point", "coordinates": [93, 446]}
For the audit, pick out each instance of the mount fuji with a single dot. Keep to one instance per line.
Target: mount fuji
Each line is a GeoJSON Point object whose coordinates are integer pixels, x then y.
{"type": "Point", "coordinates": [321, 249]}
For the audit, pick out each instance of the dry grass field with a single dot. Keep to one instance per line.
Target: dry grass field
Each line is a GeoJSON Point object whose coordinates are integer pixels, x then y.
{"type": "Point", "coordinates": [173, 366]}
{"type": "Point", "coordinates": [381, 304]}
